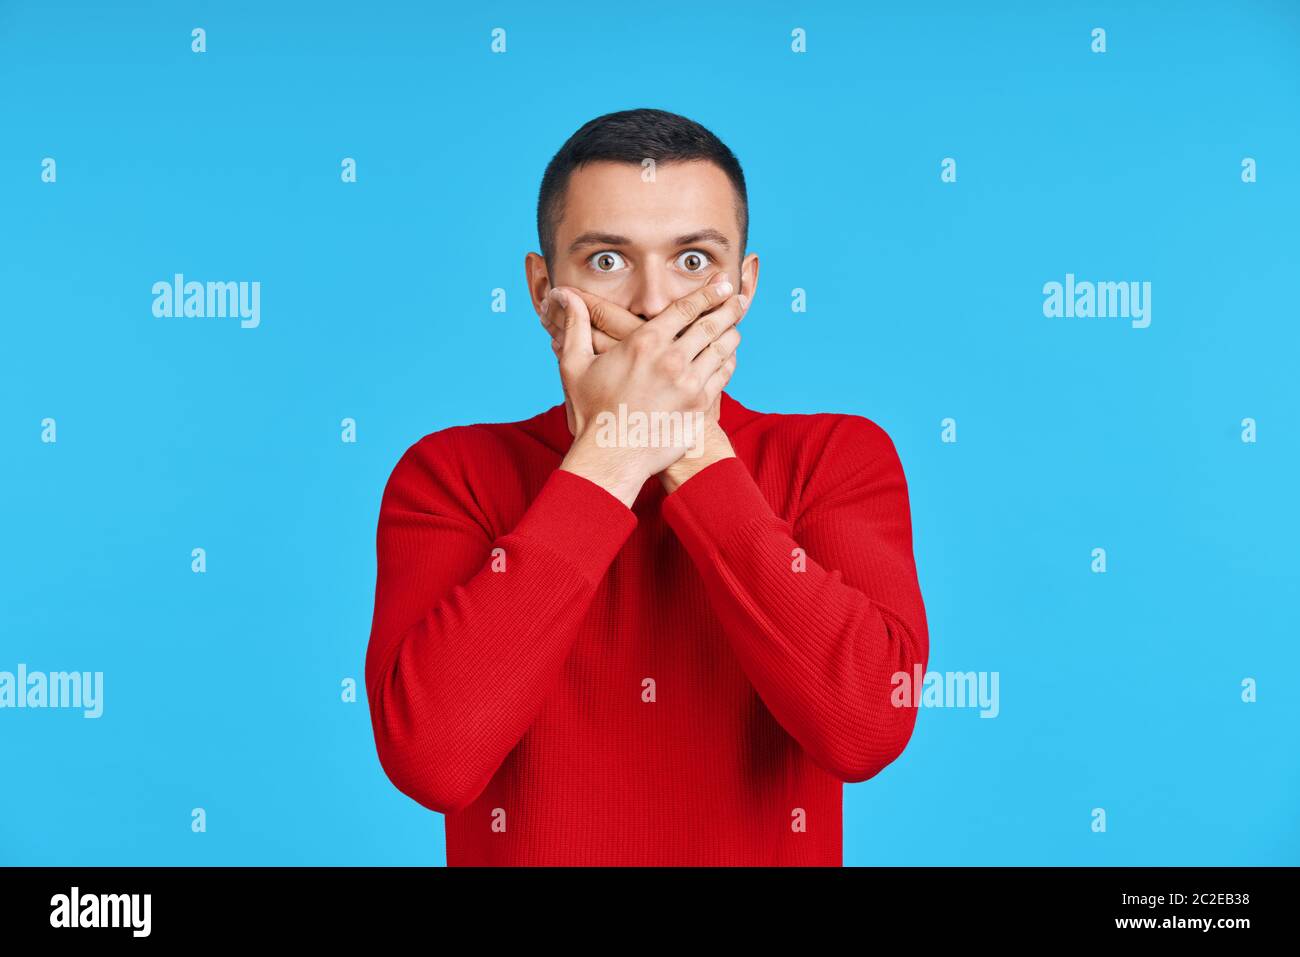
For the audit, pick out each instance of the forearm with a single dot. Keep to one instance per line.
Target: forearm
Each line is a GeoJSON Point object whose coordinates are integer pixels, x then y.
{"type": "Point", "coordinates": [620, 472]}
{"type": "Point", "coordinates": [454, 692]}
{"type": "Point", "coordinates": [820, 651]}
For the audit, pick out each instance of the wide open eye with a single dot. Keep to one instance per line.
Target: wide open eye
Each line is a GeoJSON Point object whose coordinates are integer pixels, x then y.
{"type": "Point", "coordinates": [694, 261]}
{"type": "Point", "coordinates": [606, 261]}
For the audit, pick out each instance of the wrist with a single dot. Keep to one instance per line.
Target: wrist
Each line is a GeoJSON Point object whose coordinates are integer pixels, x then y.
{"type": "Point", "coordinates": [611, 468]}
{"type": "Point", "coordinates": [715, 450]}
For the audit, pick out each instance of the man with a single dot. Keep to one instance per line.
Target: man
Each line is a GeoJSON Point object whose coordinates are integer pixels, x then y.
{"type": "Point", "coordinates": [591, 648]}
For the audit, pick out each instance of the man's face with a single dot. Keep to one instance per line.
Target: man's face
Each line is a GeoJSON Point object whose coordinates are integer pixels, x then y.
{"type": "Point", "coordinates": [640, 244]}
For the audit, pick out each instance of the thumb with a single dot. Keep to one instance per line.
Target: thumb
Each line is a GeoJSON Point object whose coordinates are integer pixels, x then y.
{"type": "Point", "coordinates": [576, 325]}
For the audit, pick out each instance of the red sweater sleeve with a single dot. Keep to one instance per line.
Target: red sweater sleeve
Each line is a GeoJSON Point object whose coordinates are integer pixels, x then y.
{"type": "Point", "coordinates": [464, 650]}
{"type": "Point", "coordinates": [821, 645]}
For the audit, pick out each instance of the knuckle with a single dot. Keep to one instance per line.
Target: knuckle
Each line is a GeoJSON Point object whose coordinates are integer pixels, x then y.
{"type": "Point", "coordinates": [672, 363]}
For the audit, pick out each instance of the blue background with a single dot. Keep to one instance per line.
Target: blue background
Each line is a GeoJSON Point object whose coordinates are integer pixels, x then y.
{"type": "Point", "coordinates": [1118, 690]}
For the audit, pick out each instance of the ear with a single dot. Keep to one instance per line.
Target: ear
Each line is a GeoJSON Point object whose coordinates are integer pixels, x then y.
{"type": "Point", "coordinates": [538, 278]}
{"type": "Point", "coordinates": [749, 276]}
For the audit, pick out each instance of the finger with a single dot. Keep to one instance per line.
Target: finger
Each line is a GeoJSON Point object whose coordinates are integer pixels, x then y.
{"type": "Point", "coordinates": [548, 321]}
{"type": "Point", "coordinates": [600, 342]}
{"type": "Point", "coordinates": [709, 327]}
{"type": "Point", "coordinates": [575, 322]}
{"type": "Point", "coordinates": [682, 312]}
{"type": "Point", "coordinates": [717, 276]}
{"type": "Point", "coordinates": [610, 318]}
{"type": "Point", "coordinates": [717, 352]}
{"type": "Point", "coordinates": [718, 381]}
{"type": "Point", "coordinates": [744, 297]}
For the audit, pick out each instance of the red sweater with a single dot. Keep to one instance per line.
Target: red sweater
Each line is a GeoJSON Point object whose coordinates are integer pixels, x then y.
{"type": "Point", "coordinates": [686, 682]}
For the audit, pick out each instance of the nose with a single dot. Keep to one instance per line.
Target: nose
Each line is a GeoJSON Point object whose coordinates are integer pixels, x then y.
{"type": "Point", "coordinates": [652, 293]}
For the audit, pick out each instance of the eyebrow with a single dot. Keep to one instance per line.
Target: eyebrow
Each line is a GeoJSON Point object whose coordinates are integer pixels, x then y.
{"type": "Point", "coordinates": [611, 239]}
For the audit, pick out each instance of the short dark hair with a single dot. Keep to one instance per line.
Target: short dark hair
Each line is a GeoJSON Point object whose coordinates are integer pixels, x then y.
{"type": "Point", "coordinates": [631, 136]}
